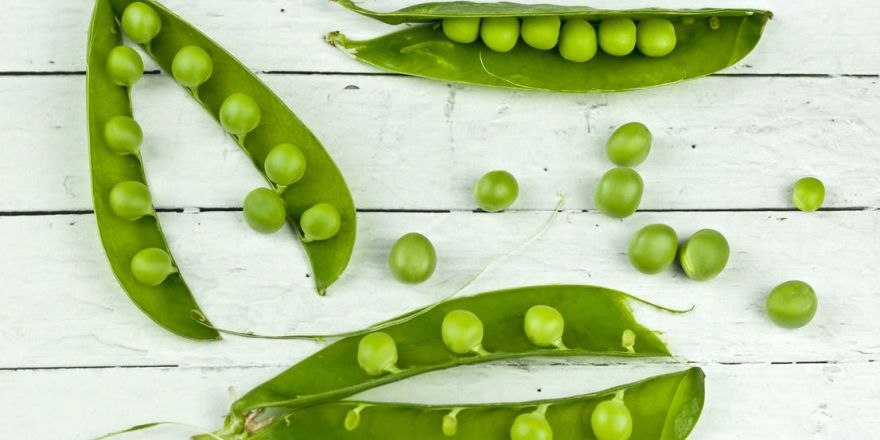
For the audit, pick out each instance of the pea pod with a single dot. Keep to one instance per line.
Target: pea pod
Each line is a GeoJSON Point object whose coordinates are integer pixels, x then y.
{"type": "Point", "coordinates": [274, 124]}
{"type": "Point", "coordinates": [130, 232]}
{"type": "Point", "coordinates": [708, 40]}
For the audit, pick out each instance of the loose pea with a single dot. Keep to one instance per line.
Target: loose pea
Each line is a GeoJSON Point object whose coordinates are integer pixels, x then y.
{"type": "Point", "coordinates": [544, 326]}
{"type": "Point", "coordinates": [412, 259]}
{"type": "Point", "coordinates": [611, 420]}
{"type": "Point", "coordinates": [377, 354]}
{"type": "Point", "coordinates": [704, 255]}
{"type": "Point", "coordinates": [462, 30]}
{"type": "Point", "coordinates": [619, 192]}
{"type": "Point", "coordinates": [131, 200]}
{"type": "Point", "coordinates": [629, 145]}
{"type": "Point", "coordinates": [151, 266]}
{"type": "Point", "coordinates": [617, 36]}
{"type": "Point", "coordinates": [577, 40]}
{"type": "Point", "coordinates": [320, 222]}
{"type": "Point", "coordinates": [123, 135]}
{"type": "Point", "coordinates": [462, 332]}
{"type": "Point", "coordinates": [653, 248]}
{"type": "Point", "coordinates": [792, 304]}
{"type": "Point", "coordinates": [239, 114]}
{"type": "Point", "coordinates": [656, 37]}
{"type": "Point", "coordinates": [496, 191]}
{"type": "Point", "coordinates": [124, 66]}
{"type": "Point", "coordinates": [541, 32]}
{"type": "Point", "coordinates": [500, 33]}
{"type": "Point", "coordinates": [141, 22]}
{"type": "Point", "coordinates": [192, 66]}
{"type": "Point", "coordinates": [531, 426]}
{"type": "Point", "coordinates": [808, 194]}
{"type": "Point", "coordinates": [285, 164]}
{"type": "Point", "coordinates": [264, 210]}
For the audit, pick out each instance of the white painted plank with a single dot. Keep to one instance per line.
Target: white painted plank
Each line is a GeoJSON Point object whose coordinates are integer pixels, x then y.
{"type": "Point", "coordinates": [805, 37]}
{"type": "Point", "coordinates": [408, 144]}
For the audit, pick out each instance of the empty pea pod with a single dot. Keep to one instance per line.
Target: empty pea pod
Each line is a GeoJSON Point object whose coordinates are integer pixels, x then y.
{"type": "Point", "coordinates": [637, 48]}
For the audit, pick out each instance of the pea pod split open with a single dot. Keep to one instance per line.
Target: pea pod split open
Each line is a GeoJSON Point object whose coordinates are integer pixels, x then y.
{"type": "Point", "coordinates": [696, 43]}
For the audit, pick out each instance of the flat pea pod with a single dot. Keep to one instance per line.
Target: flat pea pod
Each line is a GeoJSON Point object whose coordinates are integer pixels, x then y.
{"type": "Point", "coordinates": [258, 132]}
{"type": "Point", "coordinates": [708, 40]}
{"type": "Point", "coordinates": [149, 279]}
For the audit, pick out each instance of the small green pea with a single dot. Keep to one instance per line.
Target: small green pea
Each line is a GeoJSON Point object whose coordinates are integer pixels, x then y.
{"type": "Point", "coordinates": [619, 192]}
{"type": "Point", "coordinates": [500, 33]}
{"type": "Point", "coordinates": [496, 191]}
{"type": "Point", "coordinates": [531, 426]}
{"type": "Point", "coordinates": [462, 30]}
{"type": "Point", "coordinates": [792, 304]}
{"type": "Point", "coordinates": [412, 259]}
{"type": "Point", "coordinates": [653, 248]}
{"type": "Point", "coordinates": [541, 32]}
{"type": "Point", "coordinates": [320, 222]}
{"type": "Point", "coordinates": [629, 145]}
{"type": "Point", "coordinates": [141, 22]}
{"type": "Point", "coordinates": [239, 114]}
{"type": "Point", "coordinates": [577, 40]}
{"type": "Point", "coordinates": [285, 164]}
{"type": "Point", "coordinates": [192, 66]}
{"type": "Point", "coordinates": [352, 420]}
{"type": "Point", "coordinates": [617, 36]}
{"type": "Point", "coordinates": [808, 194]}
{"type": "Point", "coordinates": [264, 210]}
{"type": "Point", "coordinates": [704, 255]}
{"type": "Point", "coordinates": [544, 326]}
{"type": "Point", "coordinates": [151, 266]}
{"type": "Point", "coordinates": [462, 332]}
{"type": "Point", "coordinates": [124, 66]}
{"type": "Point", "coordinates": [656, 37]}
{"type": "Point", "coordinates": [377, 354]}
{"type": "Point", "coordinates": [449, 426]}
{"type": "Point", "coordinates": [131, 200]}
{"type": "Point", "coordinates": [123, 135]}
{"type": "Point", "coordinates": [611, 420]}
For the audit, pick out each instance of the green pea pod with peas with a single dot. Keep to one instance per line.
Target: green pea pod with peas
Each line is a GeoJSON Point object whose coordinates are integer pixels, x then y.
{"type": "Point", "coordinates": [308, 186]}
{"type": "Point", "coordinates": [574, 49]}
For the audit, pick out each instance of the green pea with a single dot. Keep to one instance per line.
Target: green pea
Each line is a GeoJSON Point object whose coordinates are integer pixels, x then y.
{"type": "Point", "coordinates": [124, 66]}
{"type": "Point", "coordinates": [377, 354]}
{"type": "Point", "coordinates": [141, 22]}
{"type": "Point", "coordinates": [531, 426]}
{"type": "Point", "coordinates": [617, 36]}
{"type": "Point", "coordinates": [541, 32]}
{"type": "Point", "coordinates": [653, 248]}
{"type": "Point", "coordinates": [462, 30]}
{"type": "Point", "coordinates": [123, 135]}
{"type": "Point", "coordinates": [808, 194]}
{"type": "Point", "coordinates": [629, 145]}
{"type": "Point", "coordinates": [285, 164]}
{"type": "Point", "coordinates": [130, 200]}
{"type": "Point", "coordinates": [619, 192]}
{"type": "Point", "coordinates": [462, 332]}
{"type": "Point", "coordinates": [577, 40]}
{"type": "Point", "coordinates": [704, 255]}
{"type": "Point", "coordinates": [449, 426]}
{"type": "Point", "coordinates": [239, 114]}
{"type": "Point", "coordinates": [611, 420]}
{"type": "Point", "coordinates": [496, 191]}
{"type": "Point", "coordinates": [412, 259]}
{"type": "Point", "coordinates": [544, 326]}
{"type": "Point", "coordinates": [320, 222]}
{"type": "Point", "coordinates": [500, 33]}
{"type": "Point", "coordinates": [151, 266]}
{"type": "Point", "coordinates": [192, 66]}
{"type": "Point", "coordinates": [656, 37]}
{"type": "Point", "coordinates": [792, 304]}
{"type": "Point", "coordinates": [264, 210]}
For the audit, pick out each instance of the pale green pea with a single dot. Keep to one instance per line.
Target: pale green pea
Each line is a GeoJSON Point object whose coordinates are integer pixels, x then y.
{"type": "Point", "coordinates": [449, 426]}
{"type": "Point", "coordinates": [124, 66]}
{"type": "Point", "coordinates": [239, 114]}
{"type": "Point", "coordinates": [285, 164]}
{"type": "Point", "coordinates": [653, 248]}
{"type": "Point", "coordinates": [500, 33]}
{"type": "Point", "coordinates": [544, 326]}
{"type": "Point", "coordinates": [656, 37]}
{"type": "Point", "coordinates": [192, 66]}
{"type": "Point", "coordinates": [531, 426]}
{"type": "Point", "coordinates": [792, 304]}
{"type": "Point", "coordinates": [131, 200]}
{"type": "Point", "coordinates": [151, 266]}
{"type": "Point", "coordinates": [377, 354]}
{"type": "Point", "coordinates": [496, 191]}
{"type": "Point", "coordinates": [619, 192]}
{"type": "Point", "coordinates": [412, 258]}
{"type": "Point", "coordinates": [577, 40]}
{"type": "Point", "coordinates": [264, 210]}
{"type": "Point", "coordinates": [704, 255]}
{"type": "Point", "coordinates": [611, 420]}
{"type": "Point", "coordinates": [123, 135]}
{"type": "Point", "coordinates": [462, 332]}
{"type": "Point", "coordinates": [320, 222]}
{"type": "Point", "coordinates": [617, 36]}
{"type": "Point", "coordinates": [141, 22]}
{"type": "Point", "coordinates": [629, 145]}
{"type": "Point", "coordinates": [462, 30]}
{"type": "Point", "coordinates": [541, 32]}
{"type": "Point", "coordinates": [808, 194]}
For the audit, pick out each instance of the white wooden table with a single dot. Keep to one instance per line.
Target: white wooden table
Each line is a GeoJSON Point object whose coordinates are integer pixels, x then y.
{"type": "Point", "coordinates": [77, 359]}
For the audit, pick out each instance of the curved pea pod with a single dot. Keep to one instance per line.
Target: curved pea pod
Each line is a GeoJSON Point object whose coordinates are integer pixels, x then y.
{"type": "Point", "coordinates": [170, 302]}
{"type": "Point", "coordinates": [322, 181]}
{"type": "Point", "coordinates": [709, 40]}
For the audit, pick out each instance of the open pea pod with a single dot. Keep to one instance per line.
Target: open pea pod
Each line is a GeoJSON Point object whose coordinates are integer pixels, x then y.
{"type": "Point", "coordinates": [114, 160]}
{"type": "Point", "coordinates": [708, 40]}
{"type": "Point", "coordinates": [322, 181]}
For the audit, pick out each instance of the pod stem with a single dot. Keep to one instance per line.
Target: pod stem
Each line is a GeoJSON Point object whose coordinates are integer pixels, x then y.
{"type": "Point", "coordinates": [204, 434]}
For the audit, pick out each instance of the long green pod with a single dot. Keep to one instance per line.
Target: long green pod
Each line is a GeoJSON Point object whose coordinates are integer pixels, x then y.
{"type": "Point", "coordinates": [708, 40]}
{"type": "Point", "coordinates": [322, 182]}
{"type": "Point", "coordinates": [169, 303]}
